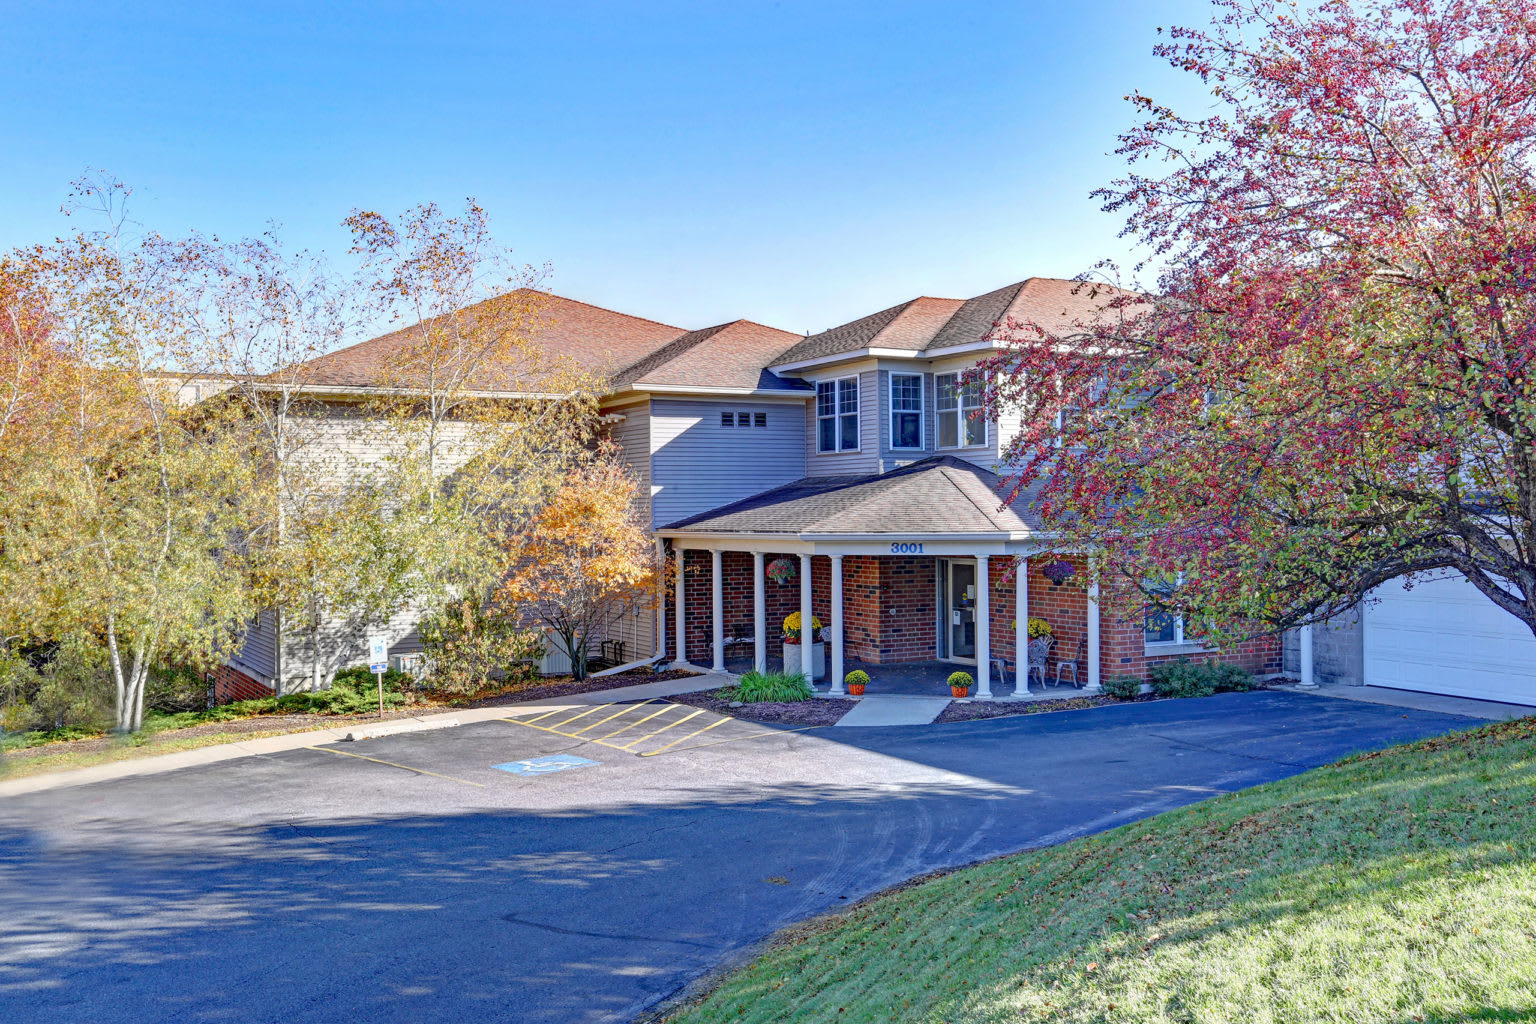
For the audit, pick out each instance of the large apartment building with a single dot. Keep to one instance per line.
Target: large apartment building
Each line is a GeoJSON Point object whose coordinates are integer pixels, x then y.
{"type": "Point", "coordinates": [861, 457]}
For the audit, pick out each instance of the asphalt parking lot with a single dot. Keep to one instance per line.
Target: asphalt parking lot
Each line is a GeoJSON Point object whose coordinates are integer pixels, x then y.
{"type": "Point", "coordinates": [571, 867]}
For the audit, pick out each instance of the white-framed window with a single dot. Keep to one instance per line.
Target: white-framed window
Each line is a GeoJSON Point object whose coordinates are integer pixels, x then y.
{"type": "Point", "coordinates": [837, 415]}
{"type": "Point", "coordinates": [961, 422]}
{"type": "Point", "coordinates": [1164, 627]}
{"type": "Point", "coordinates": [907, 410]}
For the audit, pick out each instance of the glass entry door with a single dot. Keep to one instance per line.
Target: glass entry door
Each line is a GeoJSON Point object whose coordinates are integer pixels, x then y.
{"type": "Point", "coordinates": [962, 611]}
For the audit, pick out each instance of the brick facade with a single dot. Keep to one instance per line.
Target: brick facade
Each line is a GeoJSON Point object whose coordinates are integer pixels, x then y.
{"type": "Point", "coordinates": [890, 612]}
{"type": "Point", "coordinates": [230, 684]}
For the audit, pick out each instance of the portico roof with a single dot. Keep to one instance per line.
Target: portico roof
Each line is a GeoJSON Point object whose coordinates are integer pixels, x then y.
{"type": "Point", "coordinates": [937, 496]}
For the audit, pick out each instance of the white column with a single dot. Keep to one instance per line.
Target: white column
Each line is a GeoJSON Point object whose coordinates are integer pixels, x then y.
{"type": "Point", "coordinates": [759, 615]}
{"type": "Point", "coordinates": [717, 609]}
{"type": "Point", "coordinates": [1307, 678]}
{"type": "Point", "coordinates": [682, 617]}
{"type": "Point", "coordinates": [837, 624]}
{"type": "Point", "coordinates": [1093, 633]}
{"type": "Point", "coordinates": [983, 629]}
{"type": "Point", "coordinates": [661, 599]}
{"type": "Point", "coordinates": [807, 637]}
{"type": "Point", "coordinates": [1021, 626]}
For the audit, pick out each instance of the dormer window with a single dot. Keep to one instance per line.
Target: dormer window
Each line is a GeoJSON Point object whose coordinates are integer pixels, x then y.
{"type": "Point", "coordinates": [906, 410]}
{"type": "Point", "coordinates": [837, 415]}
{"type": "Point", "coordinates": [961, 421]}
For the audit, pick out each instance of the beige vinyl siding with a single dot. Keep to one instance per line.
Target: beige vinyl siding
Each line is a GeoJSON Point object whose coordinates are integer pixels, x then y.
{"type": "Point", "coordinates": [637, 629]}
{"type": "Point", "coordinates": [343, 644]}
{"type": "Point", "coordinates": [347, 442]}
{"type": "Point", "coordinates": [698, 465]}
{"type": "Point", "coordinates": [867, 458]}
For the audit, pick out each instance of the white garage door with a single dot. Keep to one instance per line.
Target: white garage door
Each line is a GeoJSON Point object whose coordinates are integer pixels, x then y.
{"type": "Point", "coordinates": [1444, 636]}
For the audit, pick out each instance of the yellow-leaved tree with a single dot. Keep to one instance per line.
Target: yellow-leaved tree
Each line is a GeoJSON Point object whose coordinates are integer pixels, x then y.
{"type": "Point", "coordinates": [583, 561]}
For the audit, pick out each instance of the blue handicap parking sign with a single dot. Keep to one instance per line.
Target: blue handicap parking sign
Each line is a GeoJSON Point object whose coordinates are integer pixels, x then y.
{"type": "Point", "coordinates": [545, 765]}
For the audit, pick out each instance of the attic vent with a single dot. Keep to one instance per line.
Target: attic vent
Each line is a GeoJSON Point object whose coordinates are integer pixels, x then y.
{"type": "Point", "coordinates": [744, 419]}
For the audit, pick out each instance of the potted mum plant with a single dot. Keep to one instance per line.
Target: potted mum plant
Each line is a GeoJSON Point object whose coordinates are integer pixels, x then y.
{"type": "Point", "coordinates": [795, 659]}
{"type": "Point", "coordinates": [960, 684]}
{"type": "Point", "coordinates": [856, 681]}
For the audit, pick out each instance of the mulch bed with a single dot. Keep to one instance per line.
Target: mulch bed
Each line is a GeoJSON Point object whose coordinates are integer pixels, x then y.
{"type": "Point", "coordinates": [234, 726]}
{"type": "Point", "coordinates": [977, 710]}
{"type": "Point", "coordinates": [816, 711]}
{"type": "Point", "coordinates": [298, 722]}
{"type": "Point", "coordinates": [570, 687]}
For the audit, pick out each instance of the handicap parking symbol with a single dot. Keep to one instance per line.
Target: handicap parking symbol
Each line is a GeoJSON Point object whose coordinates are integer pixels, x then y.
{"type": "Point", "coordinates": [546, 765]}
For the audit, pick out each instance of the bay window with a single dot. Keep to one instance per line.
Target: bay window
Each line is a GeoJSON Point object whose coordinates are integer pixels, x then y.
{"type": "Point", "coordinates": [962, 423]}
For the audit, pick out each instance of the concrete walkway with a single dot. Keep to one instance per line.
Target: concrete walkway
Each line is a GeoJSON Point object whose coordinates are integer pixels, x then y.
{"type": "Point", "coordinates": [888, 709]}
{"type": "Point", "coordinates": [1489, 710]}
{"type": "Point", "coordinates": [643, 691]}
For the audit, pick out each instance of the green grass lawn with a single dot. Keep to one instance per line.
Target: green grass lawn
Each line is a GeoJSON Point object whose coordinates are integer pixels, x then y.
{"type": "Point", "coordinates": [1397, 886]}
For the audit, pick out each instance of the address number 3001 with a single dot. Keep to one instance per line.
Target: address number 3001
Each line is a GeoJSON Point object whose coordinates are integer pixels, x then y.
{"type": "Point", "coordinates": [906, 548]}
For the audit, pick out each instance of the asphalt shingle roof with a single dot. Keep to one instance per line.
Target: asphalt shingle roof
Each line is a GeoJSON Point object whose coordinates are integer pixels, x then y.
{"type": "Point", "coordinates": [937, 495]}
{"type": "Point", "coordinates": [926, 324]}
{"type": "Point", "coordinates": [595, 339]}
{"type": "Point", "coordinates": [732, 355]}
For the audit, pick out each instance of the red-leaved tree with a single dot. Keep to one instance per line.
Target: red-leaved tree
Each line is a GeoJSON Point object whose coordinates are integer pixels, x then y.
{"type": "Point", "coordinates": [1330, 385]}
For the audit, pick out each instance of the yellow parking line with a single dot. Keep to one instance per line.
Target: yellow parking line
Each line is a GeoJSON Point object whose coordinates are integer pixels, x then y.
{"type": "Point", "coordinates": [696, 732]}
{"type": "Point", "coordinates": [623, 710]}
{"type": "Point", "coordinates": [418, 771]}
{"type": "Point", "coordinates": [737, 739]}
{"type": "Point", "coordinates": [658, 732]}
{"type": "Point", "coordinates": [659, 711]}
{"type": "Point", "coordinates": [561, 725]}
{"type": "Point", "coordinates": [547, 714]}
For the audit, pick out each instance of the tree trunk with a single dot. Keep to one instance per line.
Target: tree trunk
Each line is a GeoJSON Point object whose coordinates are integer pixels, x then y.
{"type": "Point", "coordinates": [115, 659]}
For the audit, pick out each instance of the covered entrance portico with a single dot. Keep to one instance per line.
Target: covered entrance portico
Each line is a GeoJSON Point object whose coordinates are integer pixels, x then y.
{"type": "Point", "coordinates": [872, 559]}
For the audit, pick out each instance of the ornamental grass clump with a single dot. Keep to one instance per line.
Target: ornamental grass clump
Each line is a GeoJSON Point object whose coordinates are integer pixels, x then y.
{"type": "Point", "coordinates": [777, 687]}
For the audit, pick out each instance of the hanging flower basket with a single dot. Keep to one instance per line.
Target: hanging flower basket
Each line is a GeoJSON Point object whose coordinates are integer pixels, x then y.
{"type": "Point", "coordinates": [1058, 572]}
{"type": "Point", "coordinates": [781, 570]}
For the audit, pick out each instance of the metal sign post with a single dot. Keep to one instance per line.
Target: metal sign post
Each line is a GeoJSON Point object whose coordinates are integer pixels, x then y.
{"type": "Point", "coordinates": [378, 660]}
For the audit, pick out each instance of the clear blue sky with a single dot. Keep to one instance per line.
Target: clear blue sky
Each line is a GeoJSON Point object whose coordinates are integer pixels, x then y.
{"type": "Point", "coordinates": [801, 164]}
